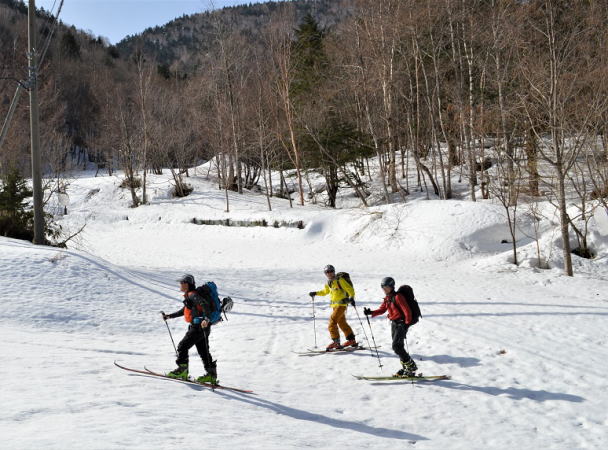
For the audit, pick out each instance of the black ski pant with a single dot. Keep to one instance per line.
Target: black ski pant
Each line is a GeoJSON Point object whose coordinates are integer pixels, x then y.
{"type": "Point", "coordinates": [398, 333]}
{"type": "Point", "coordinates": [199, 337]}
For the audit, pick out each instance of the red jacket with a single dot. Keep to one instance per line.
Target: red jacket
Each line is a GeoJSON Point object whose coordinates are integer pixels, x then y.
{"type": "Point", "coordinates": [397, 308]}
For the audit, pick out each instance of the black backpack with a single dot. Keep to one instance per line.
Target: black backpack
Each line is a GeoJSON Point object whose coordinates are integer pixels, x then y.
{"type": "Point", "coordinates": [344, 276]}
{"type": "Point", "coordinates": [408, 294]}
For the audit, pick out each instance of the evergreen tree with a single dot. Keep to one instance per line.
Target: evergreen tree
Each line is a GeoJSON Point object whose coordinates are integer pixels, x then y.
{"type": "Point", "coordinates": [164, 71]}
{"type": "Point", "coordinates": [70, 46]}
{"type": "Point", "coordinates": [336, 144]}
{"type": "Point", "coordinates": [329, 142]}
{"type": "Point", "coordinates": [310, 60]}
{"type": "Point", "coordinates": [16, 218]}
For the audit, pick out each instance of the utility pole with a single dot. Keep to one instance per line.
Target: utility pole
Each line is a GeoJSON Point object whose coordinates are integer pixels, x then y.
{"type": "Point", "coordinates": [34, 124]}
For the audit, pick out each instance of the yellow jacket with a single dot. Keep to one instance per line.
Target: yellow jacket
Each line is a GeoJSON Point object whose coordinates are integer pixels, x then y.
{"type": "Point", "coordinates": [339, 291]}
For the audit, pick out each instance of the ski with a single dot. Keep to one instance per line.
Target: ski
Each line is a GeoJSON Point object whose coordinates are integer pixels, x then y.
{"type": "Point", "coordinates": [209, 385]}
{"type": "Point", "coordinates": [189, 381]}
{"type": "Point", "coordinates": [414, 378]}
{"type": "Point", "coordinates": [310, 352]}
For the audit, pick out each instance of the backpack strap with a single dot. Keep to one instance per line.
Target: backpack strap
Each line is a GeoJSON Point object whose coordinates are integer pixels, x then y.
{"type": "Point", "coordinates": [340, 286]}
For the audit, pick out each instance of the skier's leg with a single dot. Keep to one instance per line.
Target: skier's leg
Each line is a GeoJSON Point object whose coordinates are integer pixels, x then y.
{"type": "Point", "coordinates": [332, 326]}
{"type": "Point", "coordinates": [183, 347]}
{"type": "Point", "coordinates": [202, 346]}
{"type": "Point", "coordinates": [187, 342]}
{"type": "Point", "coordinates": [408, 366]}
{"type": "Point", "coordinates": [345, 327]}
{"type": "Point", "coordinates": [398, 332]}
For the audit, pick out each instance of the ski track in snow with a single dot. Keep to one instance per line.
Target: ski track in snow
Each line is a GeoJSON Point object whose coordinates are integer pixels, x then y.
{"type": "Point", "coordinates": [526, 349]}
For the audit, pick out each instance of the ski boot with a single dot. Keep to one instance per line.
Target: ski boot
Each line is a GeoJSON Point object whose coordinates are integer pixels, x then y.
{"type": "Point", "coordinates": [181, 373]}
{"type": "Point", "coordinates": [408, 369]}
{"type": "Point", "coordinates": [351, 341]}
{"type": "Point", "coordinates": [210, 377]}
{"type": "Point", "coordinates": [335, 345]}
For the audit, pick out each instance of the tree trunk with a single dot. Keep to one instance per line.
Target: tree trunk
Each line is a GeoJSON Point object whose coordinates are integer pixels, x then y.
{"type": "Point", "coordinates": [532, 163]}
{"type": "Point", "coordinates": [331, 180]}
{"type": "Point", "coordinates": [563, 215]}
{"type": "Point", "coordinates": [469, 134]}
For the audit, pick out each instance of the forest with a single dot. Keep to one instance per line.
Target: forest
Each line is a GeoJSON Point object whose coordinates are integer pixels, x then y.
{"type": "Point", "coordinates": [508, 97]}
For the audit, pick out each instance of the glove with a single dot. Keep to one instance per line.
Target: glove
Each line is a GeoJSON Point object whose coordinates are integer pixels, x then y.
{"type": "Point", "coordinates": [162, 313]}
{"type": "Point", "coordinates": [351, 301]}
{"type": "Point", "coordinates": [312, 293]}
{"type": "Point", "coordinates": [197, 320]}
{"type": "Point", "coordinates": [367, 311]}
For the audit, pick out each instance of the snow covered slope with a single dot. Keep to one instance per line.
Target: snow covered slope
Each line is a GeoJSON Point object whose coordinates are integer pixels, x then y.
{"type": "Point", "coordinates": [526, 348]}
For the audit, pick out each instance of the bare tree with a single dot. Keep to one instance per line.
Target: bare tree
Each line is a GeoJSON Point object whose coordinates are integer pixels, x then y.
{"type": "Point", "coordinates": [144, 76]}
{"type": "Point", "coordinates": [552, 93]}
{"type": "Point", "coordinates": [279, 41]}
{"type": "Point", "coordinates": [505, 186]}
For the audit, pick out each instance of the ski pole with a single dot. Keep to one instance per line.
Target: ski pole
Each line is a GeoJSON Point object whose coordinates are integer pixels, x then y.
{"type": "Point", "coordinates": [170, 335]}
{"type": "Point", "coordinates": [374, 340]}
{"type": "Point", "coordinates": [363, 328]}
{"type": "Point", "coordinates": [314, 321]}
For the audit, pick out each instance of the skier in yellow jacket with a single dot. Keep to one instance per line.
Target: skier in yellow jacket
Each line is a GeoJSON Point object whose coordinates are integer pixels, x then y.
{"type": "Point", "coordinates": [341, 295]}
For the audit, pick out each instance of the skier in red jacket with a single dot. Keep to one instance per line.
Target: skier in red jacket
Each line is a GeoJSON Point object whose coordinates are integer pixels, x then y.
{"type": "Point", "coordinates": [400, 315]}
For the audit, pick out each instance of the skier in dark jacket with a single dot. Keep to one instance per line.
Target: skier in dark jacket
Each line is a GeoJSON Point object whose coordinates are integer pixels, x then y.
{"type": "Point", "coordinates": [400, 315]}
{"type": "Point", "coordinates": [197, 312]}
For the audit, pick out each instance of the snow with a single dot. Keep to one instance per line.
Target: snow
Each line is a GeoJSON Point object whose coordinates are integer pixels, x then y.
{"type": "Point", "coordinates": [526, 348]}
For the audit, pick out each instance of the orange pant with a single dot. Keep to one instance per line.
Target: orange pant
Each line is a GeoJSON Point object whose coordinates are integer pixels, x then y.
{"type": "Point", "coordinates": [338, 319]}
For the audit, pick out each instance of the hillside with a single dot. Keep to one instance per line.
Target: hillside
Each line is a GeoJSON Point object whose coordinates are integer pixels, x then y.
{"type": "Point", "coordinates": [182, 43]}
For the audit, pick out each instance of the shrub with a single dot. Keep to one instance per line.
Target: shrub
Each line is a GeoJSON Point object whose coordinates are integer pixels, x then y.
{"type": "Point", "coordinates": [126, 183]}
{"type": "Point", "coordinates": [16, 217]}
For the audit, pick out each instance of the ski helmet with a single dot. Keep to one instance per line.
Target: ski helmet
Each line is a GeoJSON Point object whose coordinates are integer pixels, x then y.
{"type": "Point", "coordinates": [388, 281]}
{"type": "Point", "coordinates": [329, 269]}
{"type": "Point", "coordinates": [187, 278]}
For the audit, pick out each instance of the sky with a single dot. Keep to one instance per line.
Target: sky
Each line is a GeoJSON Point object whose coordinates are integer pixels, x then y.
{"type": "Point", "coordinates": [115, 19]}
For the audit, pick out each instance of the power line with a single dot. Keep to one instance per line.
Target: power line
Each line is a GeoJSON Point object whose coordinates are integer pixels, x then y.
{"type": "Point", "coordinates": [50, 36]}
{"type": "Point", "coordinates": [26, 84]}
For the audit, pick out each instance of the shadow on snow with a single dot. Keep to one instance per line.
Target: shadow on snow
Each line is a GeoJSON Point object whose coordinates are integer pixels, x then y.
{"type": "Point", "coordinates": [514, 393]}
{"type": "Point", "coordinates": [510, 392]}
{"type": "Point", "coordinates": [300, 414]}
{"type": "Point", "coordinates": [447, 359]}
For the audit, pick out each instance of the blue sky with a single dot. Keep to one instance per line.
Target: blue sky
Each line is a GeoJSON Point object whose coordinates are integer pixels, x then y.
{"type": "Point", "coordinates": [115, 19]}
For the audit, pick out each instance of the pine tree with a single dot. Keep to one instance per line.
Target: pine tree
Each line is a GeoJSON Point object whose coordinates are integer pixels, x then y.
{"type": "Point", "coordinates": [310, 60]}
{"type": "Point", "coordinates": [16, 217]}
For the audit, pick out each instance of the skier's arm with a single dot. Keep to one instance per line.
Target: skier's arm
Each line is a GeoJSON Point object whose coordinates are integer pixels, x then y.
{"type": "Point", "coordinates": [325, 291]}
{"type": "Point", "coordinates": [381, 310]}
{"type": "Point", "coordinates": [175, 314]}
